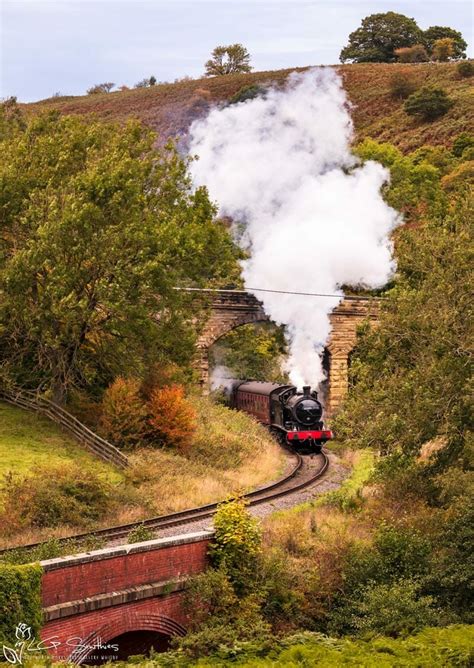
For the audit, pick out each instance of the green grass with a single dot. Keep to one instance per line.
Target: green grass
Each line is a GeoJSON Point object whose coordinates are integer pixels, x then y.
{"type": "Point", "coordinates": [348, 494]}
{"type": "Point", "coordinates": [28, 440]}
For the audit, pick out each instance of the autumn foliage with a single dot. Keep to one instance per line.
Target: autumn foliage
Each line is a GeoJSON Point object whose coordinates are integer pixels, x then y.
{"type": "Point", "coordinates": [124, 414]}
{"type": "Point", "coordinates": [172, 418]}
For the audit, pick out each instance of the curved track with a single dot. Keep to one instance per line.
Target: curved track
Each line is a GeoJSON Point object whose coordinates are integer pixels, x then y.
{"type": "Point", "coordinates": [307, 470]}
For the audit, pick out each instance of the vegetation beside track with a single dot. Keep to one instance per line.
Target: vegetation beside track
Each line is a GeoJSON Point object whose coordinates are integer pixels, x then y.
{"type": "Point", "coordinates": [220, 461]}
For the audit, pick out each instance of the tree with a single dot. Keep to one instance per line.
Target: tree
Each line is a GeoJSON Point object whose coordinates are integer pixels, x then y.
{"type": "Point", "coordinates": [172, 417]}
{"type": "Point", "coordinates": [432, 34]}
{"type": "Point", "coordinates": [412, 54]}
{"type": "Point", "coordinates": [443, 49]}
{"type": "Point", "coordinates": [97, 226]}
{"type": "Point", "coordinates": [379, 36]}
{"type": "Point", "coordinates": [428, 103]}
{"type": "Point", "coordinates": [419, 354]}
{"type": "Point", "coordinates": [146, 83]}
{"type": "Point", "coordinates": [100, 88]}
{"type": "Point", "coordinates": [124, 415]}
{"type": "Point", "coordinates": [228, 60]}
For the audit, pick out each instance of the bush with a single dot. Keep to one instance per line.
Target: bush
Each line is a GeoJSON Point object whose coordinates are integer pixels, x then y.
{"type": "Point", "coordinates": [461, 143]}
{"type": "Point", "coordinates": [443, 49]}
{"type": "Point", "coordinates": [140, 534]}
{"type": "Point", "coordinates": [402, 85]}
{"type": "Point", "coordinates": [247, 93]}
{"type": "Point", "coordinates": [392, 610]}
{"type": "Point", "coordinates": [465, 68]}
{"type": "Point", "coordinates": [20, 600]}
{"type": "Point", "coordinates": [50, 497]}
{"type": "Point", "coordinates": [172, 418]}
{"type": "Point", "coordinates": [237, 544]}
{"type": "Point", "coordinates": [124, 414]}
{"type": "Point", "coordinates": [428, 103]}
{"type": "Point", "coordinates": [219, 619]}
{"type": "Point", "coordinates": [412, 54]}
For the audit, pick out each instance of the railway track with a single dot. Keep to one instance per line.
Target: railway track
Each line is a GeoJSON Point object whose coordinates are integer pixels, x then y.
{"type": "Point", "coordinates": [307, 471]}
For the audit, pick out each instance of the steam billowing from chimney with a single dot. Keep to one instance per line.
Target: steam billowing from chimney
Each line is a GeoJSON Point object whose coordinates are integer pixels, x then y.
{"type": "Point", "coordinates": [314, 218]}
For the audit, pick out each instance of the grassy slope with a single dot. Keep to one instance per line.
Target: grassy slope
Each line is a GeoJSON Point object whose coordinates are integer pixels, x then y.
{"type": "Point", "coordinates": [28, 440]}
{"type": "Point", "coordinates": [170, 108]}
{"type": "Point", "coordinates": [221, 461]}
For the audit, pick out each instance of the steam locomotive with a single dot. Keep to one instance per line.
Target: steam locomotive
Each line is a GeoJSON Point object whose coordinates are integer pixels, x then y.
{"type": "Point", "coordinates": [294, 416]}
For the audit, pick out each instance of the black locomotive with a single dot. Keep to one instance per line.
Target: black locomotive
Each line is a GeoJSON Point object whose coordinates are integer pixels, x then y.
{"type": "Point", "coordinates": [295, 416]}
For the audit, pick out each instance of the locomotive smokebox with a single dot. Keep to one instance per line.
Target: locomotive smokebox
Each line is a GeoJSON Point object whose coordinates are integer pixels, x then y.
{"type": "Point", "coordinates": [307, 390]}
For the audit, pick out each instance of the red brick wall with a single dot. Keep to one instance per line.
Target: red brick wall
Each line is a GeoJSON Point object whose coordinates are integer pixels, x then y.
{"type": "Point", "coordinates": [116, 570]}
{"type": "Point", "coordinates": [156, 614]}
{"type": "Point", "coordinates": [78, 581]}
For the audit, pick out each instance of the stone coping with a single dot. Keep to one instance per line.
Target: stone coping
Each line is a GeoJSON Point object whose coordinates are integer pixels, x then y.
{"type": "Point", "coordinates": [108, 600]}
{"type": "Point", "coordinates": [124, 550]}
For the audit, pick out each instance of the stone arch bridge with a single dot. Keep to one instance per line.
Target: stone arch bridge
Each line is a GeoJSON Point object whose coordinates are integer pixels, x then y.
{"type": "Point", "coordinates": [231, 308]}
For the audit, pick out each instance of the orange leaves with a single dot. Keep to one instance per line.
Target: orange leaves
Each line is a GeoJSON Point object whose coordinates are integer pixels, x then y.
{"type": "Point", "coordinates": [124, 414]}
{"type": "Point", "coordinates": [172, 418]}
{"type": "Point", "coordinates": [129, 420]}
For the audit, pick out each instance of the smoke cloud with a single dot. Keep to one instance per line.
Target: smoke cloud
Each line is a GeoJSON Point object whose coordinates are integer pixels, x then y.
{"type": "Point", "coordinates": [314, 218]}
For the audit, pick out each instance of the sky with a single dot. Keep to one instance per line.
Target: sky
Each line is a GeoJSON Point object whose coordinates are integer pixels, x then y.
{"type": "Point", "coordinates": [66, 46]}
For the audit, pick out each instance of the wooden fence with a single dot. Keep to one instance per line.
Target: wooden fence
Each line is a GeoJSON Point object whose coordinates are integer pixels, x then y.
{"type": "Point", "coordinates": [33, 402]}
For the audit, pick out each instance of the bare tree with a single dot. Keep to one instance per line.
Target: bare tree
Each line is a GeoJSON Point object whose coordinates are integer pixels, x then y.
{"type": "Point", "coordinates": [100, 88]}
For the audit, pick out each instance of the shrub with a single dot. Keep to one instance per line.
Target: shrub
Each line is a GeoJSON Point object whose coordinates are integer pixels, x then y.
{"type": "Point", "coordinates": [412, 54]}
{"type": "Point", "coordinates": [443, 49]}
{"type": "Point", "coordinates": [392, 610]}
{"type": "Point", "coordinates": [20, 601]}
{"type": "Point", "coordinates": [402, 85]}
{"type": "Point", "coordinates": [461, 143]}
{"type": "Point", "coordinates": [140, 534]}
{"type": "Point", "coordinates": [428, 103]}
{"type": "Point", "coordinates": [247, 93]}
{"type": "Point", "coordinates": [237, 544]}
{"type": "Point", "coordinates": [465, 68]}
{"type": "Point", "coordinates": [172, 418]}
{"type": "Point", "coordinates": [124, 414]}
{"type": "Point", "coordinates": [220, 620]}
{"type": "Point", "coordinates": [50, 497]}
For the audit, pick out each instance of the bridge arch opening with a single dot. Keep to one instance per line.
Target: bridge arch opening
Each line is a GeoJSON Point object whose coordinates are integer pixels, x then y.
{"type": "Point", "coordinates": [250, 350]}
{"type": "Point", "coordinates": [130, 643]}
{"type": "Point", "coordinates": [133, 633]}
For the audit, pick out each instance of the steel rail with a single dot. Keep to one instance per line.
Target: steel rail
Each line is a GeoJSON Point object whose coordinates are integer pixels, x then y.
{"type": "Point", "coordinates": [258, 496]}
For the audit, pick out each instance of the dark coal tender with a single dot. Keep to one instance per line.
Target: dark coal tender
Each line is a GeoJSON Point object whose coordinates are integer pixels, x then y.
{"type": "Point", "coordinates": [295, 416]}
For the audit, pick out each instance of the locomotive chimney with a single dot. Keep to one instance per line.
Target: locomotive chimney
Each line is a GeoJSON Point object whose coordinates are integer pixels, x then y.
{"type": "Point", "coordinates": [307, 390]}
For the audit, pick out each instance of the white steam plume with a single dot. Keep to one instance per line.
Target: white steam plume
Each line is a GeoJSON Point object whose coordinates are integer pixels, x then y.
{"type": "Point", "coordinates": [314, 218]}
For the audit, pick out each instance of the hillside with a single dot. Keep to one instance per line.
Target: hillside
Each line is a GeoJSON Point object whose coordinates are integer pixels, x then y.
{"type": "Point", "coordinates": [170, 108]}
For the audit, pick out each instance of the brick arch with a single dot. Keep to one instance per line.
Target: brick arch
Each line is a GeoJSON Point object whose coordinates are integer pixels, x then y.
{"type": "Point", "coordinates": [228, 311]}
{"type": "Point", "coordinates": [129, 621]}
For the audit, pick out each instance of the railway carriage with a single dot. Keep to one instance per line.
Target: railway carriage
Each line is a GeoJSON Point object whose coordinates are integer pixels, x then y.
{"type": "Point", "coordinates": [295, 416]}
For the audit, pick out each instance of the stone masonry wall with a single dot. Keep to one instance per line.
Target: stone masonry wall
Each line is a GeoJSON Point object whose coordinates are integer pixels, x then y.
{"type": "Point", "coordinates": [230, 310]}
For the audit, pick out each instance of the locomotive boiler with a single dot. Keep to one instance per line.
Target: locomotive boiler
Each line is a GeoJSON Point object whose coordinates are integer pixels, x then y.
{"type": "Point", "coordinates": [295, 416]}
